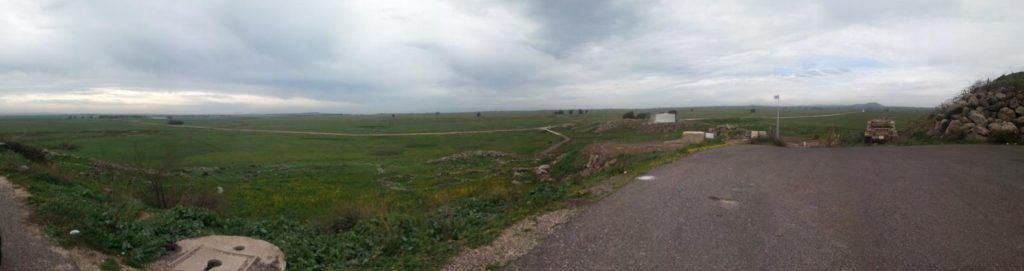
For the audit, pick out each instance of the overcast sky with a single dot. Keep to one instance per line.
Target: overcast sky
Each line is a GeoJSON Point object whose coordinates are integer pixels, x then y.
{"type": "Point", "coordinates": [424, 56]}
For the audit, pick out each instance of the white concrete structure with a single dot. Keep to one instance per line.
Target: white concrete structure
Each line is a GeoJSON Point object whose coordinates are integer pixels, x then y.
{"type": "Point", "coordinates": [664, 118]}
{"type": "Point", "coordinates": [217, 252]}
{"type": "Point", "coordinates": [693, 137]}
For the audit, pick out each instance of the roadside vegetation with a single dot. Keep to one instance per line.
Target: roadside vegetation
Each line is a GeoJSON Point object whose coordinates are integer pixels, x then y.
{"type": "Point", "coordinates": [133, 186]}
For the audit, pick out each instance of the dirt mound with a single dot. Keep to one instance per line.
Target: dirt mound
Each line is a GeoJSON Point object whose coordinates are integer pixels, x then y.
{"type": "Point", "coordinates": [615, 148]}
{"type": "Point", "coordinates": [986, 111]}
{"type": "Point", "coordinates": [603, 155]}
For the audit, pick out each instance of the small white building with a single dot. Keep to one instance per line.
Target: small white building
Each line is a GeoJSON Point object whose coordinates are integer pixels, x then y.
{"type": "Point", "coordinates": [664, 118]}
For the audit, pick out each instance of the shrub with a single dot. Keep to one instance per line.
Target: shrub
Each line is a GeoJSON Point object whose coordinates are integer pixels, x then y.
{"type": "Point", "coordinates": [629, 115]}
{"type": "Point", "coordinates": [1004, 138]}
{"type": "Point", "coordinates": [30, 153]}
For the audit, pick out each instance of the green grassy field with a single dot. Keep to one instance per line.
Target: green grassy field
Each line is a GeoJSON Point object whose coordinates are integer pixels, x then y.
{"type": "Point", "coordinates": [336, 202]}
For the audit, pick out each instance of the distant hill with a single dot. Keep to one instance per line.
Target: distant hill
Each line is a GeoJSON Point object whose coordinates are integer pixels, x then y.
{"type": "Point", "coordinates": [869, 106]}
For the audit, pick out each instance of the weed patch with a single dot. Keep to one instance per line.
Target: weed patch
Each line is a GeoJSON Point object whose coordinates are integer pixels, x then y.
{"type": "Point", "coordinates": [568, 164]}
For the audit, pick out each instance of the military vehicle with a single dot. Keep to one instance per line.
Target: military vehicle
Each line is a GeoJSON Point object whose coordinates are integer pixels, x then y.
{"type": "Point", "coordinates": [880, 131]}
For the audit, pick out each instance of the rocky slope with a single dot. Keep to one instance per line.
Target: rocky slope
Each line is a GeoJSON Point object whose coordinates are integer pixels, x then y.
{"type": "Point", "coordinates": [986, 111]}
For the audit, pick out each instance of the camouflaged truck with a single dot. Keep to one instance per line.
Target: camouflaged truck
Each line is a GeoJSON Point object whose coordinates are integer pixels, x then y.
{"type": "Point", "coordinates": [880, 131]}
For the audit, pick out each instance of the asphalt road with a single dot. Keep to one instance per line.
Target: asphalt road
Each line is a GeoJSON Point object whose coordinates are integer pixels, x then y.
{"type": "Point", "coordinates": [25, 249]}
{"type": "Point", "coordinates": [769, 208]}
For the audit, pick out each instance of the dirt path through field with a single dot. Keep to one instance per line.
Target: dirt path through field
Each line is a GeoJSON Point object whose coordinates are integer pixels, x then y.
{"type": "Point", "coordinates": [544, 128]}
{"type": "Point", "coordinates": [556, 145]}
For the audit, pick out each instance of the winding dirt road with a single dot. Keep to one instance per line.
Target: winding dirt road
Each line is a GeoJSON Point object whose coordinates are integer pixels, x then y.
{"type": "Point", "coordinates": [749, 207]}
{"type": "Point", "coordinates": [544, 128]}
{"type": "Point", "coordinates": [565, 139]}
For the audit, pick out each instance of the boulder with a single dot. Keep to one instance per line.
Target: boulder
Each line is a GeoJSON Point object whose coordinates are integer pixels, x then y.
{"type": "Point", "coordinates": [940, 127]}
{"type": "Point", "coordinates": [1019, 110]}
{"type": "Point", "coordinates": [953, 130]}
{"type": "Point", "coordinates": [980, 130]}
{"type": "Point", "coordinates": [994, 107]}
{"type": "Point", "coordinates": [1019, 120]}
{"type": "Point", "coordinates": [1003, 127]}
{"type": "Point", "coordinates": [973, 101]}
{"type": "Point", "coordinates": [22, 168]}
{"type": "Point", "coordinates": [994, 126]}
{"type": "Point", "coordinates": [1009, 127]}
{"type": "Point", "coordinates": [542, 169]}
{"type": "Point", "coordinates": [957, 109]}
{"type": "Point", "coordinates": [977, 117]}
{"type": "Point", "coordinates": [1006, 114]}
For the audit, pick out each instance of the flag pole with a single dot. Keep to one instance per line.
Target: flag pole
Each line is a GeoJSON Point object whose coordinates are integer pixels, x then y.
{"type": "Point", "coordinates": [778, 108]}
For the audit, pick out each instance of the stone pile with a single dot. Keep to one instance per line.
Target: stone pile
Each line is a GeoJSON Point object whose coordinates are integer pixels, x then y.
{"type": "Point", "coordinates": [984, 110]}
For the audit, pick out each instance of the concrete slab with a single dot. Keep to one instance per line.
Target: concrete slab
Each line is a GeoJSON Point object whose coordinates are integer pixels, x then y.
{"type": "Point", "coordinates": [217, 252]}
{"type": "Point", "coordinates": [693, 137]}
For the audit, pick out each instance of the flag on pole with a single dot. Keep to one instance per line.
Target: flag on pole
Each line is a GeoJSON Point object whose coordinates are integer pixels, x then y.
{"type": "Point", "coordinates": [776, 96]}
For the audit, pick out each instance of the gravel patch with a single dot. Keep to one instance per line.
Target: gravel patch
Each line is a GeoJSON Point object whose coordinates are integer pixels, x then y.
{"type": "Point", "coordinates": [514, 242]}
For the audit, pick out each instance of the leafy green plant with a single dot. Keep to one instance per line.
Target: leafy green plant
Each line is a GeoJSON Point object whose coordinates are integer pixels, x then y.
{"type": "Point", "coordinates": [110, 265]}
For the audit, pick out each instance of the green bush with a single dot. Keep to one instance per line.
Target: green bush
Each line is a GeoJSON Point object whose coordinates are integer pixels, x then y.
{"type": "Point", "coordinates": [31, 153]}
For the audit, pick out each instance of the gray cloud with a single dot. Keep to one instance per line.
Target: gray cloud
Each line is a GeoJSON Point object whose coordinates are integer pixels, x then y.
{"type": "Point", "coordinates": [442, 55]}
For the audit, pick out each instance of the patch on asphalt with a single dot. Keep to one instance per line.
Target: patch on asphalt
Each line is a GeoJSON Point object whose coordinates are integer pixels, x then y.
{"type": "Point", "coordinates": [727, 203]}
{"type": "Point", "coordinates": [646, 178]}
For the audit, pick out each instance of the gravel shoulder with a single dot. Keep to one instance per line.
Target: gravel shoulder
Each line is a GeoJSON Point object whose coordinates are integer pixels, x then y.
{"type": "Point", "coordinates": [767, 208]}
{"type": "Point", "coordinates": [24, 246]}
